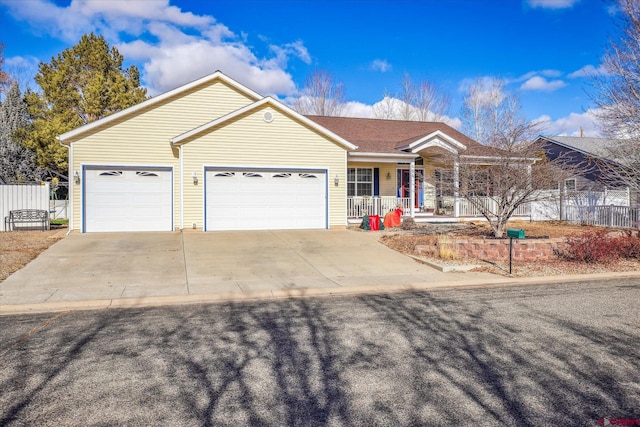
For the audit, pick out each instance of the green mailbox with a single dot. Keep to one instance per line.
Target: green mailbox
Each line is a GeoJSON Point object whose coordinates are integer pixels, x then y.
{"type": "Point", "coordinates": [515, 233]}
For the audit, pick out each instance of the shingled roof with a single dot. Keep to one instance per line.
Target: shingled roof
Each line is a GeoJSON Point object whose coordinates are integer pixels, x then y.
{"type": "Point", "coordinates": [388, 136]}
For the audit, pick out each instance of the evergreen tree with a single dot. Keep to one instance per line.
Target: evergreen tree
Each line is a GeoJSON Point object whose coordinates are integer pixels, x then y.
{"type": "Point", "coordinates": [17, 163]}
{"type": "Point", "coordinates": [83, 83]}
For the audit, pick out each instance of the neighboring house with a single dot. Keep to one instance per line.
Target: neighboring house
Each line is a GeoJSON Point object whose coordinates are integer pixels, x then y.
{"type": "Point", "coordinates": [215, 155]}
{"type": "Point", "coordinates": [591, 158]}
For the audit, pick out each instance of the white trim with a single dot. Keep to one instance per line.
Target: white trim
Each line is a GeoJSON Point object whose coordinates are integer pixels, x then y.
{"type": "Point", "coordinates": [412, 188]}
{"type": "Point", "coordinates": [442, 140]}
{"type": "Point", "coordinates": [71, 189]}
{"type": "Point", "coordinates": [380, 157]}
{"type": "Point", "coordinates": [176, 140]}
{"type": "Point", "coordinates": [155, 100]}
{"type": "Point", "coordinates": [181, 167]}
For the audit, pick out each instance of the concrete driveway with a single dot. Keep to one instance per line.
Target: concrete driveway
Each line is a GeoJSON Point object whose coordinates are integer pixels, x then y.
{"type": "Point", "coordinates": [110, 266]}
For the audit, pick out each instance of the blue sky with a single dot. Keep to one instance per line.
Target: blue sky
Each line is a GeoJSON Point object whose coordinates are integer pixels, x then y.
{"type": "Point", "coordinates": [540, 47]}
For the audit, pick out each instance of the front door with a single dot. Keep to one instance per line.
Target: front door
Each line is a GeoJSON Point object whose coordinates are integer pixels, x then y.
{"type": "Point", "coordinates": [403, 180]}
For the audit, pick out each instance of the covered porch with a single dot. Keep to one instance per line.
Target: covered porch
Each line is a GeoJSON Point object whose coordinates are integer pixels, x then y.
{"type": "Point", "coordinates": [423, 181]}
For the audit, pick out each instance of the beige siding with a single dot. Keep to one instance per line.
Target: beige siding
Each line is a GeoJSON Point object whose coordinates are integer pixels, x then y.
{"type": "Point", "coordinates": [388, 187]}
{"type": "Point", "coordinates": [248, 141]}
{"type": "Point", "coordinates": [144, 138]}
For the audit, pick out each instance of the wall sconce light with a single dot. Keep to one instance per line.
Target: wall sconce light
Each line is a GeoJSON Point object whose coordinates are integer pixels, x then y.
{"type": "Point", "coordinates": [195, 178]}
{"type": "Point", "coordinates": [336, 180]}
{"type": "Point", "coordinates": [388, 176]}
{"type": "Point", "coordinates": [76, 177]}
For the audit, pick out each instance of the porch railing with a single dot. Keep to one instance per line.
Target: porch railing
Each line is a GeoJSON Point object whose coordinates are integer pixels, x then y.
{"type": "Point", "coordinates": [359, 206]}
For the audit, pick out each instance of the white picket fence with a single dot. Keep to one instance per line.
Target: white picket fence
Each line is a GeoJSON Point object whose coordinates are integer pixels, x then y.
{"type": "Point", "coordinates": [606, 216]}
{"type": "Point", "coordinates": [548, 206]}
{"type": "Point", "coordinates": [23, 196]}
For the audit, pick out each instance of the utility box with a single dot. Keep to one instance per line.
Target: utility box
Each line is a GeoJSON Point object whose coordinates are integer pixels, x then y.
{"type": "Point", "coordinates": [515, 233]}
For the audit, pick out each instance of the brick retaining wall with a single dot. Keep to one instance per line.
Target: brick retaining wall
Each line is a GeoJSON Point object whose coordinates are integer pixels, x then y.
{"type": "Point", "coordinates": [498, 249]}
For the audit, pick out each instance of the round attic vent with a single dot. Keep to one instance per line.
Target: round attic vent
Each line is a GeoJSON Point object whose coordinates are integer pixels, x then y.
{"type": "Point", "coordinates": [267, 116]}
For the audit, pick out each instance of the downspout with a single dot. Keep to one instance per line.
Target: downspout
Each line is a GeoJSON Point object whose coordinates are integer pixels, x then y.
{"type": "Point", "coordinates": [70, 185]}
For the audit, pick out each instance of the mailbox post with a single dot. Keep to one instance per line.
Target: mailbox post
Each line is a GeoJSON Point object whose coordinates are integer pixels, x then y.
{"type": "Point", "coordinates": [513, 233]}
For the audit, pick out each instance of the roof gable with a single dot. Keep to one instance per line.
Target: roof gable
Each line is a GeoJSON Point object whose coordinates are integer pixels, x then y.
{"type": "Point", "coordinates": [183, 138]}
{"type": "Point", "coordinates": [67, 137]}
{"type": "Point", "coordinates": [393, 136]}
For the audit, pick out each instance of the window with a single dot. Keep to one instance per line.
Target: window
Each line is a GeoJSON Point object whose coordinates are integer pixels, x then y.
{"type": "Point", "coordinates": [110, 173]}
{"type": "Point", "coordinates": [359, 182]}
{"type": "Point", "coordinates": [145, 173]}
{"type": "Point", "coordinates": [570, 184]}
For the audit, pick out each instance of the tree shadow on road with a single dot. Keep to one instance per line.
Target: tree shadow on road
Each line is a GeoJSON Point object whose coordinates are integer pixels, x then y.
{"type": "Point", "coordinates": [445, 358]}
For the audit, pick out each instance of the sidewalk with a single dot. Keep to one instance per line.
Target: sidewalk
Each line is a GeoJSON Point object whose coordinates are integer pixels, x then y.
{"type": "Point", "coordinates": [99, 271]}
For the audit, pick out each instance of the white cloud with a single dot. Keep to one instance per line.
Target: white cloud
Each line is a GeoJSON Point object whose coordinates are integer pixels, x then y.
{"type": "Point", "coordinates": [170, 46]}
{"type": "Point", "coordinates": [540, 83]}
{"type": "Point", "coordinates": [381, 65]}
{"type": "Point", "coordinates": [358, 109]}
{"type": "Point", "coordinates": [588, 71]}
{"type": "Point", "coordinates": [552, 4]}
{"type": "Point", "coordinates": [572, 124]}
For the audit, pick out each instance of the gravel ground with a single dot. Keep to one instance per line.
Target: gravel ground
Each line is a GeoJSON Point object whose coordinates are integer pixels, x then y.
{"type": "Point", "coordinates": [405, 241]}
{"type": "Point", "coordinates": [17, 248]}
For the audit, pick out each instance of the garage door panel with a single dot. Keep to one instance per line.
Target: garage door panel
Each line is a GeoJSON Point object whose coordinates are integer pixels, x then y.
{"type": "Point", "coordinates": [262, 200]}
{"type": "Point", "coordinates": [128, 199]}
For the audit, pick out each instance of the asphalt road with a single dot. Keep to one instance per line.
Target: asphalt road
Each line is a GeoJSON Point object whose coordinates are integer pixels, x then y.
{"type": "Point", "coordinates": [518, 356]}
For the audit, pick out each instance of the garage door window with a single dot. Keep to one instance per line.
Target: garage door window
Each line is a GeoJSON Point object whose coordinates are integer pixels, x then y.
{"type": "Point", "coordinates": [359, 182]}
{"type": "Point", "coordinates": [144, 173]}
{"type": "Point", "coordinates": [110, 173]}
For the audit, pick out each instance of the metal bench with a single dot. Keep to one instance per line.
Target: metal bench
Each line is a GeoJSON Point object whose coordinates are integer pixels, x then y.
{"type": "Point", "coordinates": [26, 216]}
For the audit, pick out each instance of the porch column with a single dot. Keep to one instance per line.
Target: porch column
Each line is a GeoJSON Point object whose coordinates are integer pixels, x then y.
{"type": "Point", "coordinates": [412, 188]}
{"type": "Point", "coordinates": [456, 187]}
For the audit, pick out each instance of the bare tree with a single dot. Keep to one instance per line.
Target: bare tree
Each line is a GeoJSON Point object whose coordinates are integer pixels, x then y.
{"type": "Point", "coordinates": [407, 99]}
{"type": "Point", "coordinates": [321, 96]}
{"type": "Point", "coordinates": [496, 182]}
{"type": "Point", "coordinates": [422, 101]}
{"type": "Point", "coordinates": [617, 94]}
{"type": "Point", "coordinates": [494, 118]}
{"type": "Point", "coordinates": [5, 79]}
{"type": "Point", "coordinates": [431, 104]}
{"type": "Point", "coordinates": [385, 109]}
{"type": "Point", "coordinates": [508, 171]}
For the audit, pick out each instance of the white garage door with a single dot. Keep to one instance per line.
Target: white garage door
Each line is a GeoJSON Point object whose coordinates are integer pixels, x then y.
{"type": "Point", "coordinates": [127, 199]}
{"type": "Point", "coordinates": [266, 199]}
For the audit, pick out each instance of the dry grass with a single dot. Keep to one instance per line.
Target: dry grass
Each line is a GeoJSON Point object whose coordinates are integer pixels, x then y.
{"type": "Point", "coordinates": [17, 248]}
{"type": "Point", "coordinates": [428, 235]}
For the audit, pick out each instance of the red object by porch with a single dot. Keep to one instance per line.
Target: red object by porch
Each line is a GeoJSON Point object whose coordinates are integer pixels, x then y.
{"type": "Point", "coordinates": [374, 222]}
{"type": "Point", "coordinates": [393, 219]}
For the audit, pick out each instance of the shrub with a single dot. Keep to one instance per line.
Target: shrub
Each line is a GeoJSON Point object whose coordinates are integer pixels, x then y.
{"type": "Point", "coordinates": [444, 248]}
{"type": "Point", "coordinates": [601, 246]}
{"type": "Point", "coordinates": [408, 223]}
{"type": "Point", "coordinates": [591, 246]}
{"type": "Point", "coordinates": [628, 244]}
